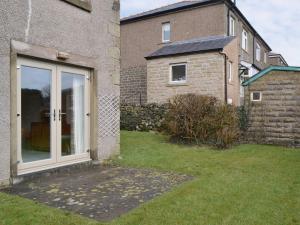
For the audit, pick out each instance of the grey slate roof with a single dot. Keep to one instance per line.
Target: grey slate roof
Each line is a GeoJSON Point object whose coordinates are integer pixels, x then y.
{"type": "Point", "coordinates": [212, 43]}
{"type": "Point", "coordinates": [165, 8]}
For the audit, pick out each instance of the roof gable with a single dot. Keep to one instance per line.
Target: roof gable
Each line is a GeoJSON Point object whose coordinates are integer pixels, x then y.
{"type": "Point", "coordinates": [268, 70]}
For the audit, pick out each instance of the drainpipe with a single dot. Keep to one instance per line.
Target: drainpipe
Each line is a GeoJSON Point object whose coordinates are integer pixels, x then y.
{"type": "Point", "coordinates": [226, 75]}
{"type": "Point", "coordinates": [254, 48]}
{"type": "Point", "coordinates": [228, 20]}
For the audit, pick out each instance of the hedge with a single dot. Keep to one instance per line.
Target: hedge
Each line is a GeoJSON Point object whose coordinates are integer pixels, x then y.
{"type": "Point", "coordinates": [143, 118]}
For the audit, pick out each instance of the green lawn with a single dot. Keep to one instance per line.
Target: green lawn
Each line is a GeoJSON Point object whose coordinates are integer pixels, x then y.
{"type": "Point", "coordinates": [248, 185]}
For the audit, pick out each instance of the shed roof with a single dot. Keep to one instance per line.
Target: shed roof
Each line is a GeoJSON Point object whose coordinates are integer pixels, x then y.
{"type": "Point", "coordinates": [212, 43]}
{"type": "Point", "coordinates": [268, 70]}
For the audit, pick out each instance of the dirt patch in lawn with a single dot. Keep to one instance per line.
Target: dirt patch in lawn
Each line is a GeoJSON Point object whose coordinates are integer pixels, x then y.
{"type": "Point", "coordinates": [101, 193]}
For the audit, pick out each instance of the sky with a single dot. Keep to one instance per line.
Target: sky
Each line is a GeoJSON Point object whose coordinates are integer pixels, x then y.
{"type": "Point", "coordinates": [277, 21]}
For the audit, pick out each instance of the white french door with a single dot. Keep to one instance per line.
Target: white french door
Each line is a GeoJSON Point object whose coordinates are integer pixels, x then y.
{"type": "Point", "coordinates": [73, 114]}
{"type": "Point", "coordinates": [53, 115]}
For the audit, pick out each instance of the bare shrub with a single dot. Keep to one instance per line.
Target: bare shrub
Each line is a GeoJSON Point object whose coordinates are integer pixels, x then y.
{"type": "Point", "coordinates": [202, 120]}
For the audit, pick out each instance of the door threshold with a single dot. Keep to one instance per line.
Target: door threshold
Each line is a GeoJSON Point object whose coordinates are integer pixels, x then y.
{"type": "Point", "coordinates": [54, 168]}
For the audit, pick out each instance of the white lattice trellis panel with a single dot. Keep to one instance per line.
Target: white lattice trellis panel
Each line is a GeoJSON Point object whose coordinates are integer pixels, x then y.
{"type": "Point", "coordinates": [109, 116]}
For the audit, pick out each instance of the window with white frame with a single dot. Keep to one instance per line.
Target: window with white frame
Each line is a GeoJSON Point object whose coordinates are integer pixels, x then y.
{"type": "Point", "coordinates": [266, 57]}
{"type": "Point", "coordinates": [245, 40]}
{"type": "Point", "coordinates": [232, 26]}
{"type": "Point", "coordinates": [256, 96]}
{"type": "Point", "coordinates": [166, 32]}
{"type": "Point", "coordinates": [258, 52]}
{"type": "Point", "coordinates": [178, 73]}
{"type": "Point", "coordinates": [230, 77]}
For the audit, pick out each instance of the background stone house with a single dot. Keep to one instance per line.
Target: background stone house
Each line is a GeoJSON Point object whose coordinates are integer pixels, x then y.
{"type": "Point", "coordinates": [60, 71]}
{"type": "Point", "coordinates": [205, 66]}
{"type": "Point", "coordinates": [276, 59]}
{"type": "Point", "coordinates": [145, 33]}
{"type": "Point", "coordinates": [273, 104]}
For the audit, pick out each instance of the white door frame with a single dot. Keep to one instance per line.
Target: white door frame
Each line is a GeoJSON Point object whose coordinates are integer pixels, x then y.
{"type": "Point", "coordinates": [86, 154]}
{"type": "Point", "coordinates": [56, 159]}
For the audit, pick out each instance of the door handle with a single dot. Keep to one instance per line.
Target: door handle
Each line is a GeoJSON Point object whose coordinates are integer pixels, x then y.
{"type": "Point", "coordinates": [50, 114]}
{"type": "Point", "coordinates": [60, 114]}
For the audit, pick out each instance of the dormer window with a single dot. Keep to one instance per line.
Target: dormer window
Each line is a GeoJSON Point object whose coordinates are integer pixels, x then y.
{"type": "Point", "coordinates": [166, 32]}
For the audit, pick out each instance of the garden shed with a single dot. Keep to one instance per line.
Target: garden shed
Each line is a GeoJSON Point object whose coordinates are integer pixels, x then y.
{"type": "Point", "coordinates": [272, 100]}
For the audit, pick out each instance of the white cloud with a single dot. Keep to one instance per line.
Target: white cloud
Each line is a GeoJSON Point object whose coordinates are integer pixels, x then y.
{"type": "Point", "coordinates": [277, 21]}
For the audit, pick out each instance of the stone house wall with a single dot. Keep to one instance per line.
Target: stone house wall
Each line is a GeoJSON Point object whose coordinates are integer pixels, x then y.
{"type": "Point", "coordinates": [233, 86]}
{"type": "Point", "coordinates": [250, 55]}
{"type": "Point", "coordinates": [60, 26]}
{"type": "Point", "coordinates": [134, 88]}
{"type": "Point", "coordinates": [276, 119]}
{"type": "Point", "coordinates": [141, 38]}
{"type": "Point", "coordinates": [276, 61]}
{"type": "Point", "coordinates": [205, 76]}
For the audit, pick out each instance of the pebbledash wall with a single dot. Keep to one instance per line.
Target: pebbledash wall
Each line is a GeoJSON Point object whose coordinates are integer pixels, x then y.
{"type": "Point", "coordinates": [276, 118]}
{"type": "Point", "coordinates": [40, 29]}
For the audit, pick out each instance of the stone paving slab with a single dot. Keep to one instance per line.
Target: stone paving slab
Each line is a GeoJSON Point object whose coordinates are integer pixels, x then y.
{"type": "Point", "coordinates": [100, 193]}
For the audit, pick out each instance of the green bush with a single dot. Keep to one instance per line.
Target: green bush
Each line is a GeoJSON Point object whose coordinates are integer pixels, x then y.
{"type": "Point", "coordinates": [143, 118]}
{"type": "Point", "coordinates": [243, 118]}
{"type": "Point", "coordinates": [202, 120]}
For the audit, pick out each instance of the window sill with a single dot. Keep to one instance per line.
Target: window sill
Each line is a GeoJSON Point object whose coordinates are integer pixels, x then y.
{"type": "Point", "coordinates": [83, 4]}
{"type": "Point", "coordinates": [176, 84]}
{"type": "Point", "coordinates": [165, 43]}
{"type": "Point", "coordinates": [245, 51]}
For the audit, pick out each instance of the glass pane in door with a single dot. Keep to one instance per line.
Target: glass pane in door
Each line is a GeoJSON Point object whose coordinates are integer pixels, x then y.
{"type": "Point", "coordinates": [36, 113]}
{"type": "Point", "coordinates": [72, 114]}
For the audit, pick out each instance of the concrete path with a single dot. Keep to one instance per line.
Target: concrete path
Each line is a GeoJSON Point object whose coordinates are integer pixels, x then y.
{"type": "Point", "coordinates": [101, 193]}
